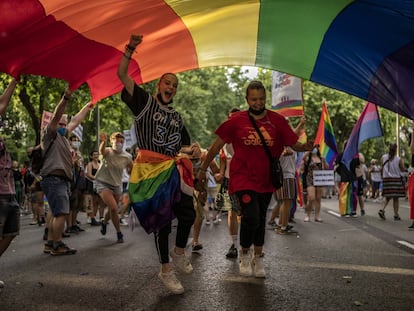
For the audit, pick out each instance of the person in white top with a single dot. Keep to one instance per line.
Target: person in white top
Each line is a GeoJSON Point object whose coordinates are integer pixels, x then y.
{"type": "Point", "coordinates": [374, 174]}
{"type": "Point", "coordinates": [109, 178]}
{"type": "Point", "coordinates": [393, 186]}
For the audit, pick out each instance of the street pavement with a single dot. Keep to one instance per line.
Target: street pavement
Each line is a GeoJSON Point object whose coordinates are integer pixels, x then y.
{"type": "Point", "coordinates": [361, 263]}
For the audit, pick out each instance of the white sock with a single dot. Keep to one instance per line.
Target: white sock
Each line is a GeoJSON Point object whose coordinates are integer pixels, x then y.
{"type": "Point", "coordinates": [234, 239]}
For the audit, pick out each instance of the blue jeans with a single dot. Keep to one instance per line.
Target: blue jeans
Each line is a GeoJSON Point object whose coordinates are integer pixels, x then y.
{"type": "Point", "coordinates": [57, 191]}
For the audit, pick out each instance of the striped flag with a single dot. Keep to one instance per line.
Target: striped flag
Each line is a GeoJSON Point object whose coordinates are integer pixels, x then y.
{"type": "Point", "coordinates": [286, 94]}
{"type": "Point", "coordinates": [368, 126]}
{"type": "Point", "coordinates": [325, 137]}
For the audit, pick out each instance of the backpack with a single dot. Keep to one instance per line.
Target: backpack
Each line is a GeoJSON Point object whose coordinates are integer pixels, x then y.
{"type": "Point", "coordinates": [37, 159]}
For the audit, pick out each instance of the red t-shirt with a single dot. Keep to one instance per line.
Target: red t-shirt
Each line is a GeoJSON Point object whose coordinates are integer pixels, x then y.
{"type": "Point", "coordinates": [249, 168]}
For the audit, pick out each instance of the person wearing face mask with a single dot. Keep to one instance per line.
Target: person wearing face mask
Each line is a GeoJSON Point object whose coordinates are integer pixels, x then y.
{"type": "Point", "coordinates": [108, 178]}
{"type": "Point", "coordinates": [57, 172]}
{"type": "Point", "coordinates": [78, 185]}
{"type": "Point", "coordinates": [313, 162]}
{"type": "Point", "coordinates": [163, 143]}
{"type": "Point", "coordinates": [249, 176]}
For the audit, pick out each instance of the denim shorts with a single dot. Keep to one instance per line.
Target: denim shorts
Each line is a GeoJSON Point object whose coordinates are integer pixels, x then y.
{"type": "Point", "coordinates": [9, 216]}
{"type": "Point", "coordinates": [57, 191]}
{"type": "Point", "coordinates": [101, 186]}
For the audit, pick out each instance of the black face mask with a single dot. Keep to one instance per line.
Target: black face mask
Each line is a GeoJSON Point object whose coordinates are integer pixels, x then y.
{"type": "Point", "coordinates": [159, 97]}
{"type": "Point", "coordinates": [257, 112]}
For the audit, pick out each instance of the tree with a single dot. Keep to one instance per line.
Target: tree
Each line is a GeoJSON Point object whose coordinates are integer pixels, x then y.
{"type": "Point", "coordinates": [204, 99]}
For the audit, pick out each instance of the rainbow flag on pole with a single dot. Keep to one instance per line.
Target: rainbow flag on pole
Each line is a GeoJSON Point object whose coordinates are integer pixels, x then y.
{"type": "Point", "coordinates": [286, 94]}
{"type": "Point", "coordinates": [325, 137]}
{"type": "Point", "coordinates": [368, 126]}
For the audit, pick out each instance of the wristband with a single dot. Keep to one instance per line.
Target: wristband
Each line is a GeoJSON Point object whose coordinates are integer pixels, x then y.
{"type": "Point", "coordinates": [130, 48]}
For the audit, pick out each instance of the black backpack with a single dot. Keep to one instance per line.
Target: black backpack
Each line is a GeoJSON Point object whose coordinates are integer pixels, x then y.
{"type": "Point", "coordinates": [37, 159]}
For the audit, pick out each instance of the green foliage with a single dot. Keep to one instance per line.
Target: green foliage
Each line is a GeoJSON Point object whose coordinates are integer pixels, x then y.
{"type": "Point", "coordinates": [204, 98]}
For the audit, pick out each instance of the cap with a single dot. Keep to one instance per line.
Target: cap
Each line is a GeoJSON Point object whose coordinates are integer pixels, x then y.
{"type": "Point", "coordinates": [117, 135]}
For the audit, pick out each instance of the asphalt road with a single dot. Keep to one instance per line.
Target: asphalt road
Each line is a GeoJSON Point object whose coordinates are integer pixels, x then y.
{"type": "Point", "coordinates": [359, 263]}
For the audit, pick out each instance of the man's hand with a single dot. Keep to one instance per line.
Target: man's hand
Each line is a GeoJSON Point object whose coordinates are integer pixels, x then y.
{"type": "Point", "coordinates": [102, 137]}
{"type": "Point", "coordinates": [195, 151]}
{"type": "Point", "coordinates": [135, 40]}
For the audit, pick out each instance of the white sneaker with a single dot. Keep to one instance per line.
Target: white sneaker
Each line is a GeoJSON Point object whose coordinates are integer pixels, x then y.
{"type": "Point", "coordinates": [181, 262]}
{"type": "Point", "coordinates": [171, 282]}
{"type": "Point", "coordinates": [258, 266]}
{"type": "Point", "coordinates": [216, 221]}
{"type": "Point", "coordinates": [245, 264]}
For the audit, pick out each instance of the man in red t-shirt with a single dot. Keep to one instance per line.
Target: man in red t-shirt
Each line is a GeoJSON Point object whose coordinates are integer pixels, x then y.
{"type": "Point", "coordinates": [250, 177]}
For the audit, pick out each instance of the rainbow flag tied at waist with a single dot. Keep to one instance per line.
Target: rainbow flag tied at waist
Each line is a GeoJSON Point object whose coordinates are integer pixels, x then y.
{"type": "Point", "coordinates": [155, 185]}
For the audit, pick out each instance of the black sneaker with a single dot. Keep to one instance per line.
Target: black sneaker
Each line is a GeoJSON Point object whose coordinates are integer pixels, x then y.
{"type": "Point", "coordinates": [397, 217]}
{"type": "Point", "coordinates": [381, 214]}
{"type": "Point", "coordinates": [232, 253]}
{"type": "Point", "coordinates": [94, 222]}
{"type": "Point", "coordinates": [197, 247]}
{"type": "Point", "coordinates": [120, 237]}
{"type": "Point", "coordinates": [103, 228]}
{"type": "Point", "coordinates": [62, 249]}
{"type": "Point", "coordinates": [411, 227]}
{"type": "Point", "coordinates": [48, 248]}
{"type": "Point", "coordinates": [77, 228]}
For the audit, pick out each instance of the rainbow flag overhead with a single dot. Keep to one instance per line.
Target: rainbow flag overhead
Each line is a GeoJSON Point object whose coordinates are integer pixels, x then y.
{"type": "Point", "coordinates": [361, 47]}
{"type": "Point", "coordinates": [325, 137]}
{"type": "Point", "coordinates": [286, 94]}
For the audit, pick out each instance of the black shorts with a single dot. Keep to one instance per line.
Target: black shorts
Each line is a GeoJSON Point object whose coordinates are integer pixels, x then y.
{"type": "Point", "coordinates": [9, 216]}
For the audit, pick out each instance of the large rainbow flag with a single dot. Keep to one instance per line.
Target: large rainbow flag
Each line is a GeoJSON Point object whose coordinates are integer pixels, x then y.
{"type": "Point", "coordinates": [325, 137]}
{"type": "Point", "coordinates": [361, 47]}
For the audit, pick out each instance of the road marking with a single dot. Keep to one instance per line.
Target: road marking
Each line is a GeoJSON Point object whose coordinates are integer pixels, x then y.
{"type": "Point", "coordinates": [334, 213]}
{"type": "Point", "coordinates": [361, 268]}
{"type": "Point", "coordinates": [405, 243]}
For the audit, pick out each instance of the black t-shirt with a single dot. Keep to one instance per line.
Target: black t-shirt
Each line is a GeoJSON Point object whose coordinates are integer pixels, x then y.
{"type": "Point", "coordinates": [158, 128]}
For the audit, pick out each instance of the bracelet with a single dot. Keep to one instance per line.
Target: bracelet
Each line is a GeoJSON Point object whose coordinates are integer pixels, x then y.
{"type": "Point", "coordinates": [127, 57]}
{"type": "Point", "coordinates": [130, 48]}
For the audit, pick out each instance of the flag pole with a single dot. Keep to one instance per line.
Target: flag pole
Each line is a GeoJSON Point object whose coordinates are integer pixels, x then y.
{"type": "Point", "coordinates": [397, 130]}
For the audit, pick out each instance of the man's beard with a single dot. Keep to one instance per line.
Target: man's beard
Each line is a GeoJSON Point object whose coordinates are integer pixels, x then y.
{"type": "Point", "coordinates": [257, 112]}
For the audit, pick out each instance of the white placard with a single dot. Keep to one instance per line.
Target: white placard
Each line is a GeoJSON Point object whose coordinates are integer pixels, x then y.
{"type": "Point", "coordinates": [323, 178]}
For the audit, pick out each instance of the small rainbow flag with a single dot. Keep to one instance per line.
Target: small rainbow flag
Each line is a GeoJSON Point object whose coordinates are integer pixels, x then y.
{"type": "Point", "coordinates": [325, 137]}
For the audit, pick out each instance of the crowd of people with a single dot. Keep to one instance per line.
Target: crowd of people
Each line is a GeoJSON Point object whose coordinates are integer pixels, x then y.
{"type": "Point", "coordinates": [169, 177]}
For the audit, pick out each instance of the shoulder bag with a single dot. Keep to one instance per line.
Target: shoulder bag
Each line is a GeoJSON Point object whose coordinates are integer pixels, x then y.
{"type": "Point", "coordinates": [276, 173]}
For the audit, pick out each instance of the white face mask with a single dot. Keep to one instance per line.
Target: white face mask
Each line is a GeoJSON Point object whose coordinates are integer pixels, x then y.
{"type": "Point", "coordinates": [76, 144]}
{"type": "Point", "coordinates": [117, 147]}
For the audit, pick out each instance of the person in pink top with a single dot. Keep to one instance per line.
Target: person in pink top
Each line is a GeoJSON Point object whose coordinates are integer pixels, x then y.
{"type": "Point", "coordinates": [9, 208]}
{"type": "Point", "coordinates": [250, 176]}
